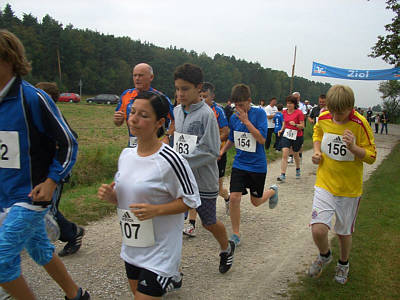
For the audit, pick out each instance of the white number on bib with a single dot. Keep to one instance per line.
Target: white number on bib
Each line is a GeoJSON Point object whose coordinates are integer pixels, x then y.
{"type": "Point", "coordinates": [290, 134]}
{"type": "Point", "coordinates": [184, 143]}
{"type": "Point", "coordinates": [132, 141]}
{"type": "Point", "coordinates": [135, 233]}
{"type": "Point", "coordinates": [9, 150]}
{"type": "Point", "coordinates": [333, 146]}
{"type": "Point", "coordinates": [245, 141]}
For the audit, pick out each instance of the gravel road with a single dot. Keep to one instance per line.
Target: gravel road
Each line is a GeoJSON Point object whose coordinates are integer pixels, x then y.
{"type": "Point", "coordinates": [276, 246]}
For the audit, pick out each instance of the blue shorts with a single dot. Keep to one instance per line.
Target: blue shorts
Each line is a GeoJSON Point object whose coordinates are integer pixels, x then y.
{"type": "Point", "coordinates": [23, 228]}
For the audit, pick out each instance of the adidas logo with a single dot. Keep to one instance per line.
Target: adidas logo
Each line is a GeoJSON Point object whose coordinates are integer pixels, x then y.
{"type": "Point", "coordinates": [243, 135]}
{"type": "Point", "coordinates": [181, 139]}
{"type": "Point", "coordinates": [338, 140]}
{"type": "Point", "coordinates": [127, 217]}
{"type": "Point", "coordinates": [143, 283]}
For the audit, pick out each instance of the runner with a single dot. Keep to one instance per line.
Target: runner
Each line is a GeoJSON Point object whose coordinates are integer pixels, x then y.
{"type": "Point", "coordinates": [70, 233]}
{"type": "Point", "coordinates": [247, 132]}
{"type": "Point", "coordinates": [369, 115]}
{"type": "Point", "coordinates": [316, 111]}
{"type": "Point", "coordinates": [228, 110]}
{"type": "Point", "coordinates": [153, 187]}
{"type": "Point", "coordinates": [343, 140]}
{"type": "Point", "coordinates": [30, 168]}
{"type": "Point", "coordinates": [278, 122]}
{"type": "Point", "coordinates": [197, 139]}
{"type": "Point", "coordinates": [292, 135]}
{"type": "Point", "coordinates": [142, 77]}
{"type": "Point", "coordinates": [383, 119]}
{"type": "Point", "coordinates": [270, 110]}
{"type": "Point", "coordinates": [376, 122]}
{"type": "Point", "coordinates": [208, 95]}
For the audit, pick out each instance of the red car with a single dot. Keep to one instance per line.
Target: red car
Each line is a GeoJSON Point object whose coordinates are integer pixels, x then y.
{"type": "Point", "coordinates": [69, 97]}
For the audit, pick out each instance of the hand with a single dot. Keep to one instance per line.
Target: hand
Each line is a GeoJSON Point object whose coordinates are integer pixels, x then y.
{"type": "Point", "coordinates": [279, 132]}
{"type": "Point", "coordinates": [348, 138]}
{"type": "Point", "coordinates": [119, 117]}
{"type": "Point", "coordinates": [316, 158]}
{"type": "Point", "coordinates": [242, 115]}
{"type": "Point", "coordinates": [44, 191]}
{"type": "Point", "coordinates": [106, 192]}
{"type": "Point", "coordinates": [144, 211]}
{"type": "Point", "coordinates": [293, 123]}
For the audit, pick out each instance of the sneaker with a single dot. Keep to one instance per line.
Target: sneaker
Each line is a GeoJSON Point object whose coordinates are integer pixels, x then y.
{"type": "Point", "coordinates": [342, 272]}
{"type": "Point", "coordinates": [281, 178]}
{"type": "Point", "coordinates": [298, 173]}
{"type": "Point", "coordinates": [290, 159]}
{"type": "Point", "coordinates": [273, 201]}
{"type": "Point", "coordinates": [73, 245]}
{"type": "Point", "coordinates": [227, 206]}
{"type": "Point", "coordinates": [317, 266]}
{"type": "Point", "coordinates": [189, 230]}
{"type": "Point", "coordinates": [226, 260]}
{"type": "Point", "coordinates": [175, 284]}
{"type": "Point", "coordinates": [85, 296]}
{"type": "Point", "coordinates": [235, 239]}
{"type": "Point", "coordinates": [4, 295]}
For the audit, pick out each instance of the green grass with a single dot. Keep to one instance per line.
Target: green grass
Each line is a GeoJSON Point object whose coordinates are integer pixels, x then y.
{"type": "Point", "coordinates": [100, 144]}
{"type": "Point", "coordinates": [375, 257]}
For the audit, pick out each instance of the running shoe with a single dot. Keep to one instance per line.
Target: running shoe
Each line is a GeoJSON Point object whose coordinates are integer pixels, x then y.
{"type": "Point", "coordinates": [175, 284]}
{"type": "Point", "coordinates": [4, 295]}
{"type": "Point", "coordinates": [73, 245]}
{"type": "Point", "coordinates": [281, 178]}
{"type": "Point", "coordinates": [85, 296]}
{"type": "Point", "coordinates": [227, 206]}
{"type": "Point", "coordinates": [273, 201]}
{"type": "Point", "coordinates": [290, 159]}
{"type": "Point", "coordinates": [342, 272]}
{"type": "Point", "coordinates": [317, 266]}
{"type": "Point", "coordinates": [52, 228]}
{"type": "Point", "coordinates": [226, 260]}
{"type": "Point", "coordinates": [298, 174]}
{"type": "Point", "coordinates": [235, 239]}
{"type": "Point", "coordinates": [189, 230]}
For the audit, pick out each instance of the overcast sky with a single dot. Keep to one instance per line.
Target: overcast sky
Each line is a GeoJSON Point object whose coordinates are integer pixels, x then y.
{"type": "Point", "coordinates": [338, 32]}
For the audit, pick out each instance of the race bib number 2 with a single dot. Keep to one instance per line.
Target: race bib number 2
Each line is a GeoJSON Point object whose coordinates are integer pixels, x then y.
{"type": "Point", "coordinates": [334, 147]}
{"type": "Point", "coordinates": [135, 233]}
{"type": "Point", "coordinates": [9, 150]}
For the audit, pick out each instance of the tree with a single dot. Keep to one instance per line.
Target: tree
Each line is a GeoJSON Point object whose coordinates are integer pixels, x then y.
{"type": "Point", "coordinates": [391, 98]}
{"type": "Point", "coordinates": [389, 46]}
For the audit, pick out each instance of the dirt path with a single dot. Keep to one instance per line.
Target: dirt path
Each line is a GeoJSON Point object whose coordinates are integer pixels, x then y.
{"type": "Point", "coordinates": [276, 245]}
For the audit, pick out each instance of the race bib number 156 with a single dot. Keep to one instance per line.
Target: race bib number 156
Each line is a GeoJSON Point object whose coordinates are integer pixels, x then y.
{"type": "Point", "coordinates": [334, 147]}
{"type": "Point", "coordinates": [9, 150]}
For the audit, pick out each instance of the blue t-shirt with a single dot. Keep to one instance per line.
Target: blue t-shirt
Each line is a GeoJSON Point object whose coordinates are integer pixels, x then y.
{"type": "Point", "coordinates": [220, 115]}
{"type": "Point", "coordinates": [278, 120]}
{"type": "Point", "coordinates": [250, 161]}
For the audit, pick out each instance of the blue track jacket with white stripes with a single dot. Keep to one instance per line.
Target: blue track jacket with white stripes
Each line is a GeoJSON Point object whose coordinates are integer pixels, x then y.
{"type": "Point", "coordinates": [35, 143]}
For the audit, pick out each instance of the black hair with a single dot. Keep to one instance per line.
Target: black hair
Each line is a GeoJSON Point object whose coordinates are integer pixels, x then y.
{"type": "Point", "coordinates": [160, 105]}
{"type": "Point", "coordinates": [322, 96]}
{"type": "Point", "coordinates": [292, 99]}
{"type": "Point", "coordinates": [190, 73]}
{"type": "Point", "coordinates": [208, 86]}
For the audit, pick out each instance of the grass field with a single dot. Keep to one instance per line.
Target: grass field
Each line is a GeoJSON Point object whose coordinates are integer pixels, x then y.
{"type": "Point", "coordinates": [100, 143]}
{"type": "Point", "coordinates": [375, 257]}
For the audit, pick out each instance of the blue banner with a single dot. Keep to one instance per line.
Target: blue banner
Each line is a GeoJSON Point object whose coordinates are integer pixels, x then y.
{"type": "Point", "coordinates": [328, 71]}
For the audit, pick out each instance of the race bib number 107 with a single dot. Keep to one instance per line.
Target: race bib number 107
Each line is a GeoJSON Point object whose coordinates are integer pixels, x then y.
{"type": "Point", "coordinates": [9, 150]}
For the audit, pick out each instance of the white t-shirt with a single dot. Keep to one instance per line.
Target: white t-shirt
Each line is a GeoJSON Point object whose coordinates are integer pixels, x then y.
{"type": "Point", "coordinates": [303, 107]}
{"type": "Point", "coordinates": [156, 179]}
{"type": "Point", "coordinates": [270, 111]}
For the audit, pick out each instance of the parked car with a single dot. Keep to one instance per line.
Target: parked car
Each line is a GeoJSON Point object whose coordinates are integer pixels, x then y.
{"type": "Point", "coordinates": [69, 97]}
{"type": "Point", "coordinates": [103, 99]}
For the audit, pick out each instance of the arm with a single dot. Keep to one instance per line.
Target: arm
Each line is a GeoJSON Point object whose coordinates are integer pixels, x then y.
{"type": "Point", "coordinates": [223, 133]}
{"type": "Point", "coordinates": [144, 211]}
{"type": "Point", "coordinates": [365, 151]}
{"type": "Point", "coordinates": [243, 117]}
{"type": "Point", "coordinates": [119, 117]}
{"type": "Point", "coordinates": [317, 138]}
{"type": "Point", "coordinates": [226, 148]}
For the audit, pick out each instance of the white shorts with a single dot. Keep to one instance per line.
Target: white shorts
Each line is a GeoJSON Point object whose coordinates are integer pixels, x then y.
{"type": "Point", "coordinates": [325, 205]}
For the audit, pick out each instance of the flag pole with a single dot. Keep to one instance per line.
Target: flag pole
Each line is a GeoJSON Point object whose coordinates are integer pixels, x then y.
{"type": "Point", "coordinates": [294, 64]}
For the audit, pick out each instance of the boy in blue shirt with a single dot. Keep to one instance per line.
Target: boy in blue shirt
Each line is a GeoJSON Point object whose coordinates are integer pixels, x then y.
{"type": "Point", "coordinates": [278, 121]}
{"type": "Point", "coordinates": [248, 131]}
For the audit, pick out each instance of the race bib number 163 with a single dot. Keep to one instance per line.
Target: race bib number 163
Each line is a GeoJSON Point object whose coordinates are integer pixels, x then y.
{"type": "Point", "coordinates": [9, 150]}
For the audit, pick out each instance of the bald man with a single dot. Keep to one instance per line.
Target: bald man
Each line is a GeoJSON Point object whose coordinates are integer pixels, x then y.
{"type": "Point", "coordinates": [142, 77]}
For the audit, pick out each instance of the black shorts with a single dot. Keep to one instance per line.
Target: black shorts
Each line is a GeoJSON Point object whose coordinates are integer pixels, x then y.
{"type": "Point", "coordinates": [295, 144]}
{"type": "Point", "coordinates": [149, 283]}
{"type": "Point", "coordinates": [242, 180]}
{"type": "Point", "coordinates": [222, 166]}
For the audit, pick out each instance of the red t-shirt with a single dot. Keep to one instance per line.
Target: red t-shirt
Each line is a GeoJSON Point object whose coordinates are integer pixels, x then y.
{"type": "Point", "coordinates": [297, 116]}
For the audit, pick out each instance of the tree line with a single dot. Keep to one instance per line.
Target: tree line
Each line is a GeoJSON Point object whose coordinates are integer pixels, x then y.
{"type": "Point", "coordinates": [66, 55]}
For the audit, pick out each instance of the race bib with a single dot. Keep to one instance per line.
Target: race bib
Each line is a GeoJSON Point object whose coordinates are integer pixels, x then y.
{"type": "Point", "coordinates": [245, 141]}
{"type": "Point", "coordinates": [9, 150]}
{"type": "Point", "coordinates": [135, 233]}
{"type": "Point", "coordinates": [334, 147]}
{"type": "Point", "coordinates": [184, 143]}
{"type": "Point", "coordinates": [290, 134]}
{"type": "Point", "coordinates": [133, 141]}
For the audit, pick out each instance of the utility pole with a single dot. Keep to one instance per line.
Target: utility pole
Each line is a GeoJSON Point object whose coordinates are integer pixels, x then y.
{"type": "Point", "coordinates": [294, 65]}
{"type": "Point", "coordinates": [80, 88]}
{"type": "Point", "coordinates": [59, 63]}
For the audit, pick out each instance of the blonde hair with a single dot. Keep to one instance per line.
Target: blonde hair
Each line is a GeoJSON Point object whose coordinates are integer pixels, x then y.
{"type": "Point", "coordinates": [339, 98]}
{"type": "Point", "coordinates": [240, 92]}
{"type": "Point", "coordinates": [12, 50]}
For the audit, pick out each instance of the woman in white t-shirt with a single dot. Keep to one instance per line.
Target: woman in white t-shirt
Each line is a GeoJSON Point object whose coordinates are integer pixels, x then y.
{"type": "Point", "coordinates": [153, 187]}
